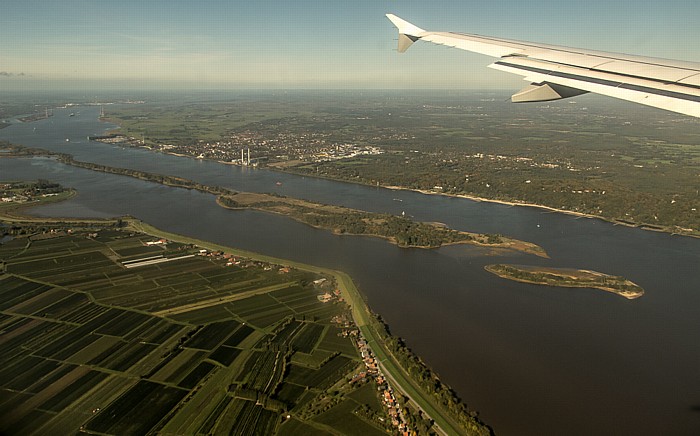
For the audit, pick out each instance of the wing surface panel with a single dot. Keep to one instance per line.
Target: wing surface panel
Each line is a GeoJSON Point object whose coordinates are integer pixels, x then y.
{"type": "Point", "coordinates": [666, 84]}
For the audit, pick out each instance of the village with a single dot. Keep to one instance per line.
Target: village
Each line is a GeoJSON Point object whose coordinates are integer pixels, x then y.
{"type": "Point", "coordinates": [394, 410]}
{"type": "Point", "coordinates": [21, 192]}
{"type": "Point", "coordinates": [373, 371]}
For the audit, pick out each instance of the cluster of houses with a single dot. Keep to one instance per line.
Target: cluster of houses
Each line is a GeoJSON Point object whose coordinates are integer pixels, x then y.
{"type": "Point", "coordinates": [345, 322]}
{"type": "Point", "coordinates": [373, 371]}
{"type": "Point", "coordinates": [285, 146]}
{"type": "Point", "coordinates": [325, 298]}
{"type": "Point", "coordinates": [23, 192]}
{"type": "Point", "coordinates": [387, 392]}
{"type": "Point", "coordinates": [14, 197]}
{"type": "Point", "coordinates": [232, 260]}
{"type": "Point", "coordinates": [267, 146]}
{"type": "Point", "coordinates": [160, 241]}
{"type": "Point", "coordinates": [328, 296]}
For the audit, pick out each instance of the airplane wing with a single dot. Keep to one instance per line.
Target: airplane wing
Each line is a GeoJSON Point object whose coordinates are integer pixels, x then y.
{"type": "Point", "coordinates": [560, 72]}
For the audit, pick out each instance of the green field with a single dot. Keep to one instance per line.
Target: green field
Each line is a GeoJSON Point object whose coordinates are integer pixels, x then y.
{"type": "Point", "coordinates": [202, 344]}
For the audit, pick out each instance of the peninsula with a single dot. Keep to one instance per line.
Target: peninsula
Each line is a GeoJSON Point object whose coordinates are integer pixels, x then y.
{"type": "Point", "coordinates": [567, 278]}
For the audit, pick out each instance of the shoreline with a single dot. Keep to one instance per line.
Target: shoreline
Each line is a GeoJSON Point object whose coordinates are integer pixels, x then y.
{"type": "Point", "coordinates": [642, 226]}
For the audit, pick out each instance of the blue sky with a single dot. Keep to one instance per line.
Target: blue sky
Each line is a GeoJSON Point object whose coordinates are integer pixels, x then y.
{"type": "Point", "coordinates": [310, 43]}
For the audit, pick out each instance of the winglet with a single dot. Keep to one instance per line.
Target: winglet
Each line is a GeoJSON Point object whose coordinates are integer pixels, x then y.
{"type": "Point", "coordinates": [408, 33]}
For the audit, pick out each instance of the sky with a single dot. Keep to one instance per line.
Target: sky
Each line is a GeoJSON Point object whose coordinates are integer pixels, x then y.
{"type": "Point", "coordinates": [311, 43]}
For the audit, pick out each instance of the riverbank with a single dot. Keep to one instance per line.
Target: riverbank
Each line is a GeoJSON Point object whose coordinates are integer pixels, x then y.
{"type": "Point", "coordinates": [643, 226]}
{"type": "Point", "coordinates": [568, 278]}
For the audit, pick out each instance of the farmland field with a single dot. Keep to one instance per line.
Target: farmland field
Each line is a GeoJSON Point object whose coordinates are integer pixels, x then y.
{"type": "Point", "coordinates": [96, 337]}
{"type": "Point", "coordinates": [334, 341]}
{"type": "Point", "coordinates": [341, 418]}
{"type": "Point", "coordinates": [294, 427]}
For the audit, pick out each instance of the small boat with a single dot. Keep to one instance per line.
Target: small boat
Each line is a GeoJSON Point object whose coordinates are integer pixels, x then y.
{"type": "Point", "coordinates": [72, 114]}
{"type": "Point", "coordinates": [278, 183]}
{"type": "Point", "coordinates": [67, 140]}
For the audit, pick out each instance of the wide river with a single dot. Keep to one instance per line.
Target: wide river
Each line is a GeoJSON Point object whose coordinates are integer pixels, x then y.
{"type": "Point", "coordinates": [533, 360]}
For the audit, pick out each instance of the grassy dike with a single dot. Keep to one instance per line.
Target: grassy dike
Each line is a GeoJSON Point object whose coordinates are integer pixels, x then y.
{"type": "Point", "coordinates": [362, 316]}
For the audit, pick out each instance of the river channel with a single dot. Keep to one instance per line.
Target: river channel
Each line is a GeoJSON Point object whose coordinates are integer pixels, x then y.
{"type": "Point", "coordinates": [533, 360]}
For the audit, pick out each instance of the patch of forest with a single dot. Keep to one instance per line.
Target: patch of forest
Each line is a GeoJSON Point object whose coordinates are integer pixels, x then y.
{"type": "Point", "coordinates": [400, 230]}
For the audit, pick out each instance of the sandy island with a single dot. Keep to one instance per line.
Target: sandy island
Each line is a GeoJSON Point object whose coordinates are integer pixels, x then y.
{"type": "Point", "coordinates": [568, 278]}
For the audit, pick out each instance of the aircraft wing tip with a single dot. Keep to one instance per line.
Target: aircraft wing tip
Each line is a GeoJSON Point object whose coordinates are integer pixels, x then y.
{"type": "Point", "coordinates": [404, 26]}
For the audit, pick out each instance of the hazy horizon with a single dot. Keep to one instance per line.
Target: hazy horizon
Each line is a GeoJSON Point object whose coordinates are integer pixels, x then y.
{"type": "Point", "coordinates": [309, 44]}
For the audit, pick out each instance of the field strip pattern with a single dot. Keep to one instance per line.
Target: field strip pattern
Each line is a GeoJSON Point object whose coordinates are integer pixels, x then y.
{"type": "Point", "coordinates": [221, 300]}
